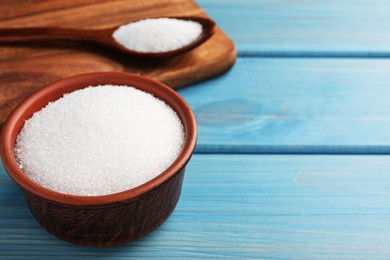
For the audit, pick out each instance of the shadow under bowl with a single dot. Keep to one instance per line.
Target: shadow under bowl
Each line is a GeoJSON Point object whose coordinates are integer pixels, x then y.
{"type": "Point", "coordinates": [111, 219]}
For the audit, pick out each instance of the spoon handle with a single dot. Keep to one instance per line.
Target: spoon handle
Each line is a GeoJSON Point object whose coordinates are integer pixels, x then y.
{"type": "Point", "coordinates": [43, 34]}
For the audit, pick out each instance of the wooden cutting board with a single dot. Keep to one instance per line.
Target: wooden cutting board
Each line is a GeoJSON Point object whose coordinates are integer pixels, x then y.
{"type": "Point", "coordinates": [25, 68]}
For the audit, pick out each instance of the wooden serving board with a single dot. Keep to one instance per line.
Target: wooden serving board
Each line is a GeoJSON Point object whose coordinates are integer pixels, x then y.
{"type": "Point", "coordinates": [25, 68]}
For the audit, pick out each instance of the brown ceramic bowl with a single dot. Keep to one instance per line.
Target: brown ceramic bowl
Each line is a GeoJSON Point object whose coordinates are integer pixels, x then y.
{"type": "Point", "coordinates": [109, 219]}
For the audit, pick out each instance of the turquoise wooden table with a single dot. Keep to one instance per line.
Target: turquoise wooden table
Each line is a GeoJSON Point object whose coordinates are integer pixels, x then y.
{"type": "Point", "coordinates": [292, 157]}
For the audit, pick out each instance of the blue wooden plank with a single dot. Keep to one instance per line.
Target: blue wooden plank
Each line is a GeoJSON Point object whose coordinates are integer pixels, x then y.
{"type": "Point", "coordinates": [249, 206]}
{"type": "Point", "coordinates": [305, 28]}
{"type": "Point", "coordinates": [276, 105]}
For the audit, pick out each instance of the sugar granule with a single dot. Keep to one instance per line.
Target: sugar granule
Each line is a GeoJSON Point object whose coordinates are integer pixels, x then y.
{"type": "Point", "coordinates": [157, 34]}
{"type": "Point", "coordinates": [99, 140]}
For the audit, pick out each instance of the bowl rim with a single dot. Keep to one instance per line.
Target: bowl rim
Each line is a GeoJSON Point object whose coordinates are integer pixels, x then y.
{"type": "Point", "coordinates": [13, 170]}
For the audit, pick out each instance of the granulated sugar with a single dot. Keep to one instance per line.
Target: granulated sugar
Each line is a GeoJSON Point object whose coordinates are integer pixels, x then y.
{"type": "Point", "coordinates": [99, 140]}
{"type": "Point", "coordinates": [158, 34]}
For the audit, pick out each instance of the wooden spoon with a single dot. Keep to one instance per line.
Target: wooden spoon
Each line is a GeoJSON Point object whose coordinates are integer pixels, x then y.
{"type": "Point", "coordinates": [101, 37]}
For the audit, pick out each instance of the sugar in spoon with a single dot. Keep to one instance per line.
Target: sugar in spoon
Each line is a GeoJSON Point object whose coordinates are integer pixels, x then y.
{"type": "Point", "coordinates": [105, 37]}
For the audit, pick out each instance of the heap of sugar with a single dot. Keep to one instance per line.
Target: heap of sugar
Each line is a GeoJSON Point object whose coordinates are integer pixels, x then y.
{"type": "Point", "coordinates": [158, 34]}
{"type": "Point", "coordinates": [99, 140]}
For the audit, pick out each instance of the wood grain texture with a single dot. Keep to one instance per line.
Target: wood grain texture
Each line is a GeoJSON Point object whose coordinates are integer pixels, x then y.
{"type": "Point", "coordinates": [243, 206]}
{"type": "Point", "coordinates": [110, 224]}
{"type": "Point", "coordinates": [25, 68]}
{"type": "Point", "coordinates": [349, 28]}
{"type": "Point", "coordinates": [280, 105]}
{"type": "Point", "coordinates": [266, 206]}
